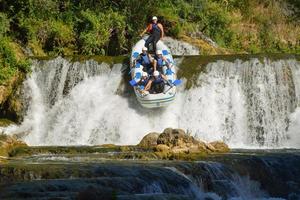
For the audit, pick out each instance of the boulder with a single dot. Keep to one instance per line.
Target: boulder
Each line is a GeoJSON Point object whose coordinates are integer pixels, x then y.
{"type": "Point", "coordinates": [149, 140]}
{"type": "Point", "coordinates": [162, 148]}
{"type": "Point", "coordinates": [177, 144]}
{"type": "Point", "coordinates": [176, 137]}
{"type": "Point", "coordinates": [220, 146]}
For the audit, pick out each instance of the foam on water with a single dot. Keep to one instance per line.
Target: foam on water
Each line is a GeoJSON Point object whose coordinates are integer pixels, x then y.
{"type": "Point", "coordinates": [244, 103]}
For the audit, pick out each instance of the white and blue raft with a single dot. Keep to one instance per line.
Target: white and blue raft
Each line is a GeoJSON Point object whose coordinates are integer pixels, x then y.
{"type": "Point", "coordinates": [146, 98]}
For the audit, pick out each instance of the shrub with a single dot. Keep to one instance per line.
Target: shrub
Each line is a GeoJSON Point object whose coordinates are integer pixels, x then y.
{"type": "Point", "coordinates": [97, 29]}
{"type": "Point", "coordinates": [4, 24]}
{"type": "Point", "coordinates": [8, 62]}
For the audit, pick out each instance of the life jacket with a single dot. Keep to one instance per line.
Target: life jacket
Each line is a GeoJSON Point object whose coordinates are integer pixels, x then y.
{"type": "Point", "coordinates": [158, 80]}
{"type": "Point", "coordinates": [153, 28]}
{"type": "Point", "coordinates": [144, 59]}
{"type": "Point", "coordinates": [160, 62]}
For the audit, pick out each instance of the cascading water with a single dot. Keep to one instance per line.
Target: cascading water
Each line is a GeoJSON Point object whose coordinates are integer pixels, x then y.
{"type": "Point", "coordinates": [231, 176]}
{"type": "Point", "coordinates": [251, 103]}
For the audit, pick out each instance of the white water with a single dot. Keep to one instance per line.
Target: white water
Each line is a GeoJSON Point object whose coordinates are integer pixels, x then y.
{"type": "Point", "coordinates": [247, 104]}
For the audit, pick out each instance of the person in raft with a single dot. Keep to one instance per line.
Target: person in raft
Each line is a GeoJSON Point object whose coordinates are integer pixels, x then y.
{"type": "Point", "coordinates": [156, 31]}
{"type": "Point", "coordinates": [160, 61]}
{"type": "Point", "coordinates": [146, 60]}
{"type": "Point", "coordinates": [156, 84]}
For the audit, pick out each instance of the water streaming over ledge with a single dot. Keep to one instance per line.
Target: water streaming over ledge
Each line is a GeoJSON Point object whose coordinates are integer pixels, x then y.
{"type": "Point", "coordinates": [247, 103]}
{"type": "Point", "coordinates": [236, 176]}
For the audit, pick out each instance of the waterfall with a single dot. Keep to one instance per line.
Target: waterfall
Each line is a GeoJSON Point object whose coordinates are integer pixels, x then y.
{"type": "Point", "coordinates": [231, 176]}
{"type": "Point", "coordinates": [249, 103]}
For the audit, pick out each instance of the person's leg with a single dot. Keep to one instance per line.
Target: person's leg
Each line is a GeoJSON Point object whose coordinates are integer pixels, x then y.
{"type": "Point", "coordinates": [155, 40]}
{"type": "Point", "coordinates": [149, 69]}
{"type": "Point", "coordinates": [149, 40]}
{"type": "Point", "coordinates": [161, 87]}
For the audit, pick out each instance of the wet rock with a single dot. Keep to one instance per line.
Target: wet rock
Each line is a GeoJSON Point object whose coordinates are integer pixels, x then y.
{"type": "Point", "coordinates": [176, 137]}
{"type": "Point", "coordinates": [176, 141]}
{"type": "Point", "coordinates": [11, 106]}
{"type": "Point", "coordinates": [162, 148]}
{"type": "Point", "coordinates": [180, 47]}
{"type": "Point", "coordinates": [5, 123]}
{"type": "Point", "coordinates": [92, 193]}
{"type": "Point", "coordinates": [149, 140]}
{"type": "Point", "coordinates": [108, 146]}
{"type": "Point", "coordinates": [220, 146]}
{"type": "Point", "coordinates": [8, 145]}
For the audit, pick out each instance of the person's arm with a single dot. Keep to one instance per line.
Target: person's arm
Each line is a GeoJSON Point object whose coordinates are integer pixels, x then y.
{"type": "Point", "coordinates": [167, 62]}
{"type": "Point", "coordinates": [151, 58]}
{"type": "Point", "coordinates": [135, 60]}
{"type": "Point", "coordinates": [154, 64]}
{"type": "Point", "coordinates": [164, 77]}
{"type": "Point", "coordinates": [148, 86]}
{"type": "Point", "coordinates": [162, 31]}
{"type": "Point", "coordinates": [146, 30]}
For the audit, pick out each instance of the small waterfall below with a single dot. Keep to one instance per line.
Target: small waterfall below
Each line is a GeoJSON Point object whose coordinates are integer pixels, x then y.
{"type": "Point", "coordinates": [234, 177]}
{"type": "Point", "coordinates": [248, 103]}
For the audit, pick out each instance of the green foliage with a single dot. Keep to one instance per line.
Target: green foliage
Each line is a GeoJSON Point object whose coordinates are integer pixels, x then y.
{"type": "Point", "coordinates": [9, 65]}
{"type": "Point", "coordinates": [96, 31]}
{"type": "Point", "coordinates": [4, 24]}
{"type": "Point", "coordinates": [108, 27]}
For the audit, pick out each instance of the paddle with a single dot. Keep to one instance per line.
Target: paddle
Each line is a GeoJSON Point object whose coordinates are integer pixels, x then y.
{"type": "Point", "coordinates": [133, 83]}
{"type": "Point", "coordinates": [175, 83]}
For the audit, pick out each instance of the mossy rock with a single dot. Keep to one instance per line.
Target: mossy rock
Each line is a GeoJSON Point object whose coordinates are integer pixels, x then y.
{"type": "Point", "coordinates": [220, 147]}
{"type": "Point", "coordinates": [8, 145]}
{"type": "Point", "coordinates": [149, 140]}
{"type": "Point", "coordinates": [5, 123]}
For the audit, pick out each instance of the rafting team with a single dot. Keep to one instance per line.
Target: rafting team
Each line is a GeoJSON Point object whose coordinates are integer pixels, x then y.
{"type": "Point", "coordinates": [153, 79]}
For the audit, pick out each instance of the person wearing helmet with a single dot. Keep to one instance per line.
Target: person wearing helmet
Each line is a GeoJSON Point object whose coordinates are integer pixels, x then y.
{"type": "Point", "coordinates": [157, 83]}
{"type": "Point", "coordinates": [144, 80]}
{"type": "Point", "coordinates": [160, 61]}
{"type": "Point", "coordinates": [156, 32]}
{"type": "Point", "coordinates": [143, 83]}
{"type": "Point", "coordinates": [146, 60]}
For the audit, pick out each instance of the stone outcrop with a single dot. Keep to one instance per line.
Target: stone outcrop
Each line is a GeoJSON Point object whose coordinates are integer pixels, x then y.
{"type": "Point", "coordinates": [8, 145]}
{"type": "Point", "coordinates": [177, 141]}
{"type": "Point", "coordinates": [149, 140]}
{"type": "Point", "coordinates": [219, 146]}
{"type": "Point", "coordinates": [11, 106]}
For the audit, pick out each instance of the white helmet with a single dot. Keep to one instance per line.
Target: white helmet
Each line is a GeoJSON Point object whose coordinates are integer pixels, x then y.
{"type": "Point", "coordinates": [145, 74]}
{"type": "Point", "coordinates": [156, 73]}
{"type": "Point", "coordinates": [145, 49]}
{"type": "Point", "coordinates": [159, 52]}
{"type": "Point", "coordinates": [154, 18]}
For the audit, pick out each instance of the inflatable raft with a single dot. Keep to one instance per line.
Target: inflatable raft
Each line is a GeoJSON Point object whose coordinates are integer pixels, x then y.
{"type": "Point", "coordinates": [147, 99]}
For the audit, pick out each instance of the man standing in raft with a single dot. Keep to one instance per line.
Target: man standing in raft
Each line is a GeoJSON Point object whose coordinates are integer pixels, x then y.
{"type": "Point", "coordinates": [156, 31]}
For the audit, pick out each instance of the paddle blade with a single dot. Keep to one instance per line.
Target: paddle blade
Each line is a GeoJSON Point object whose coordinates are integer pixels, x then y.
{"type": "Point", "coordinates": [133, 83]}
{"type": "Point", "coordinates": [177, 82]}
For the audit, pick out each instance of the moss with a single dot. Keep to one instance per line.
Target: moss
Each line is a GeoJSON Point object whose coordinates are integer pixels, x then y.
{"type": "Point", "coordinates": [191, 66]}
{"type": "Point", "coordinates": [8, 145]}
{"type": "Point", "coordinates": [5, 122]}
{"type": "Point", "coordinates": [36, 49]}
{"type": "Point", "coordinates": [204, 47]}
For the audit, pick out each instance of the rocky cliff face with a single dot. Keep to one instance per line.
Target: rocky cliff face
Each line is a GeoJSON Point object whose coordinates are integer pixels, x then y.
{"type": "Point", "coordinates": [10, 103]}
